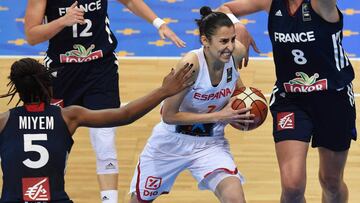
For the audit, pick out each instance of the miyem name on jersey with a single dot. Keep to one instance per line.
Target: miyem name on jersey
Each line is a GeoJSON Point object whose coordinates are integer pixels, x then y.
{"type": "Point", "coordinates": [294, 37]}
{"type": "Point", "coordinates": [93, 6]}
{"type": "Point", "coordinates": [36, 122]}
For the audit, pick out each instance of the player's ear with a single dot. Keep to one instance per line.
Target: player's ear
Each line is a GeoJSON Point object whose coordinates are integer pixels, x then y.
{"type": "Point", "coordinates": [204, 41]}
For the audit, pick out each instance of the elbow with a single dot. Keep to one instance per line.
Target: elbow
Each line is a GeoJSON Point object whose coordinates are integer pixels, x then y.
{"type": "Point", "coordinates": [168, 120]}
{"type": "Point", "coordinates": [31, 41]}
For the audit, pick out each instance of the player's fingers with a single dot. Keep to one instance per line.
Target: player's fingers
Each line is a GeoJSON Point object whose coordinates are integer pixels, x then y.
{"type": "Point", "coordinates": [178, 42]}
{"type": "Point", "coordinates": [189, 73]}
{"type": "Point", "coordinates": [242, 121]}
{"type": "Point", "coordinates": [162, 35]}
{"type": "Point", "coordinates": [180, 73]}
{"type": "Point", "coordinates": [188, 84]}
{"type": "Point", "coordinates": [246, 59]}
{"type": "Point", "coordinates": [256, 49]}
{"type": "Point", "coordinates": [243, 110]}
{"type": "Point", "coordinates": [81, 22]}
{"type": "Point", "coordinates": [74, 4]}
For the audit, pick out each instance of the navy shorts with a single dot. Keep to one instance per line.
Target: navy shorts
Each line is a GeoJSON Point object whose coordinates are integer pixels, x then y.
{"type": "Point", "coordinates": [326, 117]}
{"type": "Point", "coordinates": [94, 84]}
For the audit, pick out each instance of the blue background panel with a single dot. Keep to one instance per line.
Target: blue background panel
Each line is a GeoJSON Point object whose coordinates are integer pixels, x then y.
{"type": "Point", "coordinates": [138, 38]}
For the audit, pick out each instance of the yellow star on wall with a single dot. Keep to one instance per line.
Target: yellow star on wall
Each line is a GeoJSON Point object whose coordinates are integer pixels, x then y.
{"type": "Point", "coordinates": [170, 20]}
{"type": "Point", "coordinates": [3, 8]}
{"type": "Point", "coordinates": [125, 53]}
{"type": "Point", "coordinates": [351, 55]}
{"type": "Point", "coordinates": [269, 54]}
{"type": "Point", "coordinates": [193, 32]}
{"type": "Point", "coordinates": [348, 33]}
{"type": "Point", "coordinates": [18, 42]}
{"type": "Point", "coordinates": [160, 43]}
{"type": "Point", "coordinates": [350, 11]}
{"type": "Point", "coordinates": [246, 21]}
{"type": "Point", "coordinates": [171, 1]}
{"type": "Point", "coordinates": [128, 31]}
{"type": "Point", "coordinates": [20, 20]}
{"type": "Point", "coordinates": [195, 10]}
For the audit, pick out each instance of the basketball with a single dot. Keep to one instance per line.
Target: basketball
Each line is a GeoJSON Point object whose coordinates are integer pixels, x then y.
{"type": "Point", "coordinates": [251, 97]}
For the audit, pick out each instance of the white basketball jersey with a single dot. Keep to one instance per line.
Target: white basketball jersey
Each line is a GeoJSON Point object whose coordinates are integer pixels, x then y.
{"type": "Point", "coordinates": [203, 97]}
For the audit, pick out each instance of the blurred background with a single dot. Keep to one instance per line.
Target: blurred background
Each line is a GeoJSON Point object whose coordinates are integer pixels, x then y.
{"type": "Point", "coordinates": [139, 38]}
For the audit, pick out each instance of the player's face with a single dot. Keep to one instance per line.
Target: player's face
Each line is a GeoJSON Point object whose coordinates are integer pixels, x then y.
{"type": "Point", "coordinates": [222, 44]}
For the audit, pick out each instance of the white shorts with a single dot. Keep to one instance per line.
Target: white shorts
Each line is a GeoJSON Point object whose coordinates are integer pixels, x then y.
{"type": "Point", "coordinates": [167, 154]}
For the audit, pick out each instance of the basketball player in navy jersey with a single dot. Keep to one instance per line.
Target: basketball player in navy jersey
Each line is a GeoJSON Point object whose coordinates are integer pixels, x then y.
{"type": "Point", "coordinates": [80, 39]}
{"type": "Point", "coordinates": [36, 138]}
{"type": "Point", "coordinates": [313, 98]}
{"type": "Point", "coordinates": [190, 135]}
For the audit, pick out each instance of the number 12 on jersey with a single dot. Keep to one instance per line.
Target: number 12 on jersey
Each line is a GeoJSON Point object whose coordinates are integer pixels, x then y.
{"type": "Point", "coordinates": [85, 32]}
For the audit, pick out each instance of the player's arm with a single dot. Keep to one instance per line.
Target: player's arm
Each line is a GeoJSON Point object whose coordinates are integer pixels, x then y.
{"type": "Point", "coordinates": [76, 116]}
{"type": "Point", "coordinates": [37, 32]}
{"type": "Point", "coordinates": [245, 7]}
{"type": "Point", "coordinates": [326, 9]}
{"type": "Point", "coordinates": [4, 117]}
{"type": "Point", "coordinates": [241, 8]}
{"type": "Point", "coordinates": [172, 115]}
{"type": "Point", "coordinates": [238, 54]}
{"type": "Point", "coordinates": [141, 9]}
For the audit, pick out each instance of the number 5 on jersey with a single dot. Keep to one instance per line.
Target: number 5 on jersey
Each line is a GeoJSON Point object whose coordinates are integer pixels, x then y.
{"type": "Point", "coordinates": [30, 147]}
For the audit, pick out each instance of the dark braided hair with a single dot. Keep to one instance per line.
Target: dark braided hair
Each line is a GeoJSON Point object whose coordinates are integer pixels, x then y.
{"type": "Point", "coordinates": [210, 21]}
{"type": "Point", "coordinates": [31, 80]}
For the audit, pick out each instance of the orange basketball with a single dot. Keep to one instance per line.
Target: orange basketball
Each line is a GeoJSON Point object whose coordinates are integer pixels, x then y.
{"type": "Point", "coordinates": [251, 97]}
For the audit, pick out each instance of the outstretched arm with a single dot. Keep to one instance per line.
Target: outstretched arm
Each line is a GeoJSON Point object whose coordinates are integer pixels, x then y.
{"type": "Point", "coordinates": [76, 116]}
{"type": "Point", "coordinates": [37, 32]}
{"type": "Point", "coordinates": [139, 8]}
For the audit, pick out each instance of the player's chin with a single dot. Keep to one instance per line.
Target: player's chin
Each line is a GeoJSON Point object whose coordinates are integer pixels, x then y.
{"type": "Point", "coordinates": [225, 58]}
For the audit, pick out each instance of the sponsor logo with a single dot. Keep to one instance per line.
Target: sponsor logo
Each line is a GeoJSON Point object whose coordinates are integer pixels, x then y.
{"type": "Point", "coordinates": [213, 96]}
{"type": "Point", "coordinates": [105, 198]}
{"type": "Point", "coordinates": [294, 37]}
{"type": "Point", "coordinates": [148, 193]}
{"type": "Point", "coordinates": [36, 189]}
{"type": "Point", "coordinates": [153, 183]}
{"type": "Point", "coordinates": [304, 83]}
{"type": "Point", "coordinates": [110, 166]}
{"type": "Point", "coordinates": [228, 74]}
{"type": "Point", "coordinates": [285, 120]}
{"type": "Point", "coordinates": [278, 13]}
{"type": "Point", "coordinates": [80, 54]}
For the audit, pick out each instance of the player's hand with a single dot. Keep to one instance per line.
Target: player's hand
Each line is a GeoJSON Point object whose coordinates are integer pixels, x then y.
{"type": "Point", "coordinates": [166, 32]}
{"type": "Point", "coordinates": [229, 115]}
{"type": "Point", "coordinates": [73, 15]}
{"type": "Point", "coordinates": [174, 83]}
{"type": "Point", "coordinates": [247, 40]}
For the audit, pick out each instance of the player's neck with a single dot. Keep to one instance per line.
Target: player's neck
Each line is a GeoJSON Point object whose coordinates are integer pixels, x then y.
{"type": "Point", "coordinates": [294, 5]}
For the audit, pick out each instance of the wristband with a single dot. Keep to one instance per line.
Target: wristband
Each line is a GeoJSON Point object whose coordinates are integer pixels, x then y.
{"type": "Point", "coordinates": [159, 22]}
{"type": "Point", "coordinates": [233, 18]}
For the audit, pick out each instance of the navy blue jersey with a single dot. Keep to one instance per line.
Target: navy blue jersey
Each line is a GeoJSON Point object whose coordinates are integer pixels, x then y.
{"type": "Point", "coordinates": [34, 147]}
{"type": "Point", "coordinates": [307, 50]}
{"type": "Point", "coordinates": [80, 43]}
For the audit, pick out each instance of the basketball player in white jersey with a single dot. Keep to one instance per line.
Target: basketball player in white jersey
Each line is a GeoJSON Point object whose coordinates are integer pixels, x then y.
{"type": "Point", "coordinates": [191, 133]}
